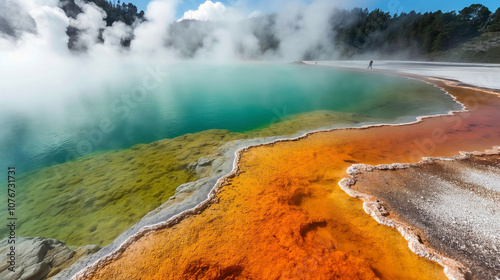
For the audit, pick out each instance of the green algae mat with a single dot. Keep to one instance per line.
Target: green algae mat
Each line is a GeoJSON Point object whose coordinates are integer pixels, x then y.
{"type": "Point", "coordinates": [93, 199]}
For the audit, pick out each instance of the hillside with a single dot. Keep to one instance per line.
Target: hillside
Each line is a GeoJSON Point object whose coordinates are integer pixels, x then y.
{"type": "Point", "coordinates": [484, 48]}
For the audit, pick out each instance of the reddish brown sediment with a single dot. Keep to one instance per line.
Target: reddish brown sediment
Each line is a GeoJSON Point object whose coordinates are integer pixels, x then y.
{"type": "Point", "coordinates": [282, 215]}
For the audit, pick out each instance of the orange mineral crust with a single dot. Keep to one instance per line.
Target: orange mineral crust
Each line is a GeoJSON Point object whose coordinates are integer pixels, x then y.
{"type": "Point", "coordinates": [283, 216]}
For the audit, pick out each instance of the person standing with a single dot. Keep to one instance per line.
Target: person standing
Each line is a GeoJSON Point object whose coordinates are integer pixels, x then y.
{"type": "Point", "coordinates": [370, 65]}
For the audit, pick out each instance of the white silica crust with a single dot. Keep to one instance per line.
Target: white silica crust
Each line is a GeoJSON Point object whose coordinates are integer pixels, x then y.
{"type": "Point", "coordinates": [476, 74]}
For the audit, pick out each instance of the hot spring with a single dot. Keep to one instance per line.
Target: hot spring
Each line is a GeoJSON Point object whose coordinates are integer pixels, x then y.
{"type": "Point", "coordinates": [188, 98]}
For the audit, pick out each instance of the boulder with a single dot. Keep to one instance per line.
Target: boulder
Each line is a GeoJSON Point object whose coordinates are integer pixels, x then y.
{"type": "Point", "coordinates": [38, 258]}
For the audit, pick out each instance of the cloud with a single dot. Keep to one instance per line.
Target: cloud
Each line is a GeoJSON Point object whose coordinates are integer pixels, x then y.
{"type": "Point", "coordinates": [208, 11]}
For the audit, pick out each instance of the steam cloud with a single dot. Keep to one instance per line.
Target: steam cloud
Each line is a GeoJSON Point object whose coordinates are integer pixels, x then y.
{"type": "Point", "coordinates": [37, 65]}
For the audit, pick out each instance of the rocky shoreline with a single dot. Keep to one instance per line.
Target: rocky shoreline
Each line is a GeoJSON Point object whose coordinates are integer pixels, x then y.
{"type": "Point", "coordinates": [39, 258]}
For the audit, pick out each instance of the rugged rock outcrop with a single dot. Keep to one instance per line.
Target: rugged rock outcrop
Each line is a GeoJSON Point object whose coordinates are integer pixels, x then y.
{"type": "Point", "coordinates": [39, 258]}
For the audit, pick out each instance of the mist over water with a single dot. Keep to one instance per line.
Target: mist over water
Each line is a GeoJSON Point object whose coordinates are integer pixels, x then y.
{"type": "Point", "coordinates": [40, 74]}
{"type": "Point", "coordinates": [60, 103]}
{"type": "Point", "coordinates": [192, 97]}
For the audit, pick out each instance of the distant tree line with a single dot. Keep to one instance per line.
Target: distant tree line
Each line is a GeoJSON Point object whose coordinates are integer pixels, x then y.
{"type": "Point", "coordinates": [115, 11]}
{"type": "Point", "coordinates": [125, 12]}
{"type": "Point", "coordinates": [359, 31]}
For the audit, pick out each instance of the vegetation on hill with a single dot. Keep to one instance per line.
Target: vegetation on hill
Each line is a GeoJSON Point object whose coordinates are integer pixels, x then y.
{"type": "Point", "coordinates": [115, 10]}
{"type": "Point", "coordinates": [125, 12]}
{"type": "Point", "coordinates": [484, 48]}
{"type": "Point", "coordinates": [360, 31]}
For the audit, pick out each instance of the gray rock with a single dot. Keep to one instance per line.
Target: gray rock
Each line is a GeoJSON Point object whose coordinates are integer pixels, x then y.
{"type": "Point", "coordinates": [36, 257]}
{"type": "Point", "coordinates": [32, 251]}
{"type": "Point", "coordinates": [203, 167]}
{"type": "Point", "coordinates": [192, 166]}
{"type": "Point", "coordinates": [203, 161]}
{"type": "Point", "coordinates": [217, 165]}
{"type": "Point", "coordinates": [201, 170]}
{"type": "Point", "coordinates": [60, 257]}
{"type": "Point", "coordinates": [207, 166]}
{"type": "Point", "coordinates": [37, 271]}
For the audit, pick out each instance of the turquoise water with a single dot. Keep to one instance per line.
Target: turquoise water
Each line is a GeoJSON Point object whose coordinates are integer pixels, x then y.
{"type": "Point", "coordinates": [196, 97]}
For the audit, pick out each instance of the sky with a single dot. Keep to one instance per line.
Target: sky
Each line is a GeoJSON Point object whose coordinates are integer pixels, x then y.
{"type": "Point", "coordinates": [391, 6]}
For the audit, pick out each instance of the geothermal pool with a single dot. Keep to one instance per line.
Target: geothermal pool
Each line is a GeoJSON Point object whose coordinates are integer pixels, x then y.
{"type": "Point", "coordinates": [108, 181]}
{"type": "Point", "coordinates": [193, 97]}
